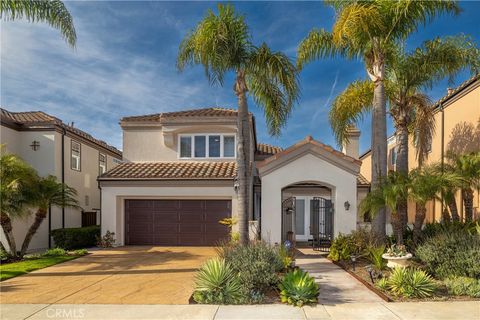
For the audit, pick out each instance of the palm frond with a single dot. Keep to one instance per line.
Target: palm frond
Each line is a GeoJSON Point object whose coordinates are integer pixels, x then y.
{"type": "Point", "coordinates": [52, 12]}
{"type": "Point", "coordinates": [423, 124]}
{"type": "Point", "coordinates": [349, 107]}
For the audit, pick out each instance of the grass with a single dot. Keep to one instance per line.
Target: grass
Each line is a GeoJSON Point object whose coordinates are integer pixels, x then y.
{"type": "Point", "coordinates": [14, 269]}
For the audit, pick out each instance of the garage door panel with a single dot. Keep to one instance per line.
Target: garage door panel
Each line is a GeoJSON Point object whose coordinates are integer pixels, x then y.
{"type": "Point", "coordinates": [176, 222]}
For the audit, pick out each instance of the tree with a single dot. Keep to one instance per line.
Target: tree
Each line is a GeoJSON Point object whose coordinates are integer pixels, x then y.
{"type": "Point", "coordinates": [52, 12]}
{"type": "Point", "coordinates": [15, 176]}
{"type": "Point", "coordinates": [390, 191]}
{"type": "Point", "coordinates": [411, 110]}
{"type": "Point", "coordinates": [467, 168]}
{"type": "Point", "coordinates": [42, 194]}
{"type": "Point", "coordinates": [222, 43]}
{"type": "Point", "coordinates": [369, 30]}
{"type": "Point", "coordinates": [426, 184]}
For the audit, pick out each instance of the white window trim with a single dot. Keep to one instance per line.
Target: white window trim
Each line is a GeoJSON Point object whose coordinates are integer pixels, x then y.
{"type": "Point", "coordinates": [100, 165]}
{"type": "Point", "coordinates": [207, 145]}
{"type": "Point", "coordinates": [79, 157]}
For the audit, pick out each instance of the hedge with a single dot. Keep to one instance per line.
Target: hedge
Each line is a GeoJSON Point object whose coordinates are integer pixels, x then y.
{"type": "Point", "coordinates": [76, 238]}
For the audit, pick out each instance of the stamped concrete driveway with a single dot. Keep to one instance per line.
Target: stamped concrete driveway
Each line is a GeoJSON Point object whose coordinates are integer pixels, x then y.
{"type": "Point", "coordinates": [125, 275]}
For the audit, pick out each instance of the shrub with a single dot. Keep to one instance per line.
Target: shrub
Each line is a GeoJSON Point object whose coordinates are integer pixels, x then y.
{"type": "Point", "coordinates": [287, 256]}
{"type": "Point", "coordinates": [451, 254]}
{"type": "Point", "coordinates": [80, 252]}
{"type": "Point", "coordinates": [433, 229]}
{"type": "Point", "coordinates": [3, 255]}
{"type": "Point", "coordinates": [342, 247]}
{"type": "Point", "coordinates": [375, 256]}
{"type": "Point", "coordinates": [76, 238]}
{"type": "Point", "coordinates": [216, 282]}
{"type": "Point", "coordinates": [409, 283]}
{"type": "Point", "coordinates": [107, 240]}
{"type": "Point", "coordinates": [55, 252]}
{"type": "Point", "coordinates": [298, 288]}
{"type": "Point", "coordinates": [256, 264]}
{"type": "Point", "coordinates": [463, 286]}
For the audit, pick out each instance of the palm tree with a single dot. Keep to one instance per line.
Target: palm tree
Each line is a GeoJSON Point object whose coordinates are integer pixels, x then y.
{"type": "Point", "coordinates": [467, 167]}
{"type": "Point", "coordinates": [426, 184]}
{"type": "Point", "coordinates": [52, 12]}
{"type": "Point", "coordinates": [15, 176]}
{"type": "Point", "coordinates": [222, 43]}
{"type": "Point", "coordinates": [368, 30]}
{"type": "Point", "coordinates": [411, 109]}
{"type": "Point", "coordinates": [392, 190]}
{"type": "Point", "coordinates": [44, 193]}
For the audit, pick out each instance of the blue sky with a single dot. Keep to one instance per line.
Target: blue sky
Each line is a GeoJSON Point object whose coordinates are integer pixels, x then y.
{"type": "Point", "coordinates": [124, 64]}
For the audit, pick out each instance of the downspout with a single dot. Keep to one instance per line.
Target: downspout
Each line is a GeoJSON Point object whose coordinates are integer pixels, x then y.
{"type": "Point", "coordinates": [442, 155]}
{"type": "Point", "coordinates": [63, 176]}
{"type": "Point", "coordinates": [49, 227]}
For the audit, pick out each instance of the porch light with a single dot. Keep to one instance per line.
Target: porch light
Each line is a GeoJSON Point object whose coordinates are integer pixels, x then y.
{"type": "Point", "coordinates": [347, 205]}
{"type": "Point", "coordinates": [35, 145]}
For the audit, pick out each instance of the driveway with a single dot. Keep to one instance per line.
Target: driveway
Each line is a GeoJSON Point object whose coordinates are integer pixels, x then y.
{"type": "Point", "coordinates": [125, 275]}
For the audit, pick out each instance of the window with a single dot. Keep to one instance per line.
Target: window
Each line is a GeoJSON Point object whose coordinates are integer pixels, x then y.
{"type": "Point", "coordinates": [102, 163]}
{"type": "Point", "coordinates": [185, 147]}
{"type": "Point", "coordinates": [393, 156]}
{"type": "Point", "coordinates": [206, 146]}
{"type": "Point", "coordinates": [75, 159]}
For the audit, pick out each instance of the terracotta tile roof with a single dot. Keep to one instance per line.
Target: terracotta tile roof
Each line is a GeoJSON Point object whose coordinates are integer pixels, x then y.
{"type": "Point", "coordinates": [205, 112]}
{"type": "Point", "coordinates": [307, 140]}
{"type": "Point", "coordinates": [458, 89]}
{"type": "Point", "coordinates": [362, 181]}
{"type": "Point", "coordinates": [31, 119]}
{"type": "Point", "coordinates": [267, 149]}
{"type": "Point", "coordinates": [172, 170]}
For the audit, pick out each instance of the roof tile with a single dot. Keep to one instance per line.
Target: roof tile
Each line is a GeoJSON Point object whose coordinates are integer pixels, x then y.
{"type": "Point", "coordinates": [205, 112]}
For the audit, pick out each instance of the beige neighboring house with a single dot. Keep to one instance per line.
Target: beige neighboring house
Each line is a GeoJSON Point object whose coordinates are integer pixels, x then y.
{"type": "Point", "coordinates": [457, 118]}
{"type": "Point", "coordinates": [178, 180]}
{"type": "Point", "coordinates": [54, 148]}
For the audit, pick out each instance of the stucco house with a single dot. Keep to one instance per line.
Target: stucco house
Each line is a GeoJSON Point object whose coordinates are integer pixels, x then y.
{"type": "Point", "coordinates": [178, 180]}
{"type": "Point", "coordinates": [53, 147]}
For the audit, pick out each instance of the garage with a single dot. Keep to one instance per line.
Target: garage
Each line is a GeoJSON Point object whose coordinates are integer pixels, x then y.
{"type": "Point", "coordinates": [176, 222]}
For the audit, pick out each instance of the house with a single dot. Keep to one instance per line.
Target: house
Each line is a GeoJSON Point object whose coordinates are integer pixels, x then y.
{"type": "Point", "coordinates": [54, 148]}
{"type": "Point", "coordinates": [178, 180]}
{"type": "Point", "coordinates": [457, 122]}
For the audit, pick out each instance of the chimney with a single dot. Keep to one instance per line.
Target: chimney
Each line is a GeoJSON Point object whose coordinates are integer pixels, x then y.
{"type": "Point", "coordinates": [351, 148]}
{"type": "Point", "coordinates": [449, 91]}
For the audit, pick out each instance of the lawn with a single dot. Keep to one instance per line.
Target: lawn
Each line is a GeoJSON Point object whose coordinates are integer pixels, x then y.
{"type": "Point", "coordinates": [14, 269]}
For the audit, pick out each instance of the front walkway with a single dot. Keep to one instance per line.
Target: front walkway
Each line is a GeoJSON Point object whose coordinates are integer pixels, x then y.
{"type": "Point", "coordinates": [466, 310]}
{"type": "Point", "coordinates": [336, 285]}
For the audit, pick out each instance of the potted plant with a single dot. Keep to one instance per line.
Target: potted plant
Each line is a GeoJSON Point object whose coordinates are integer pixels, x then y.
{"type": "Point", "coordinates": [397, 256]}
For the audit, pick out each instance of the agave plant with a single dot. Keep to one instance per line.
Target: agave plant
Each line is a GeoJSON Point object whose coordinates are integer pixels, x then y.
{"type": "Point", "coordinates": [411, 283]}
{"type": "Point", "coordinates": [216, 282]}
{"type": "Point", "coordinates": [298, 288]}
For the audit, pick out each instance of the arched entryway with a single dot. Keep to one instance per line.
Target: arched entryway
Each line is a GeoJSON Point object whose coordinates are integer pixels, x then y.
{"type": "Point", "coordinates": [307, 214]}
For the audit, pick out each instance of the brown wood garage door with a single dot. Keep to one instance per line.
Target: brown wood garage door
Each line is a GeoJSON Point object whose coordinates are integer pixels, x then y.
{"type": "Point", "coordinates": [176, 222]}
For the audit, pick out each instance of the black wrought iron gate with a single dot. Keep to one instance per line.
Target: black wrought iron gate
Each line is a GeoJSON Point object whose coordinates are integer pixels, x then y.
{"type": "Point", "coordinates": [321, 223]}
{"type": "Point", "coordinates": [288, 220]}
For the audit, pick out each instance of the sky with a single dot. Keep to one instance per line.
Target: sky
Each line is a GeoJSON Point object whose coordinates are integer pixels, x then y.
{"type": "Point", "coordinates": [124, 65]}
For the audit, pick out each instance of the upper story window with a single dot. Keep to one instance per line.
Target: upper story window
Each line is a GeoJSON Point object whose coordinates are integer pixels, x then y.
{"type": "Point", "coordinates": [102, 163]}
{"type": "Point", "coordinates": [75, 158]}
{"type": "Point", "coordinates": [206, 146]}
{"type": "Point", "coordinates": [393, 156]}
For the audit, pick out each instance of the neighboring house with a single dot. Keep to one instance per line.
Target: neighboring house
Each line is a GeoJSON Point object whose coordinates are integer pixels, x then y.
{"type": "Point", "coordinates": [178, 181]}
{"type": "Point", "coordinates": [457, 118]}
{"type": "Point", "coordinates": [54, 148]}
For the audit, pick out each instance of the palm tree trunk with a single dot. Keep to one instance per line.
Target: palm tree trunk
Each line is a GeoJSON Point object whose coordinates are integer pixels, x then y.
{"type": "Point", "coordinates": [397, 227]}
{"type": "Point", "coordinates": [402, 166]}
{"type": "Point", "coordinates": [6, 223]}
{"type": "Point", "coordinates": [468, 203]}
{"type": "Point", "coordinates": [445, 215]}
{"type": "Point", "coordinates": [452, 205]}
{"type": "Point", "coordinates": [379, 143]}
{"type": "Point", "coordinates": [421, 212]}
{"type": "Point", "coordinates": [242, 153]}
{"type": "Point", "coordinates": [40, 215]}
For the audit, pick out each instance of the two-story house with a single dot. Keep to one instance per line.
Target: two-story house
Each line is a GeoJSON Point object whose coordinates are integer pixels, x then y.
{"type": "Point", "coordinates": [178, 180]}
{"type": "Point", "coordinates": [54, 148]}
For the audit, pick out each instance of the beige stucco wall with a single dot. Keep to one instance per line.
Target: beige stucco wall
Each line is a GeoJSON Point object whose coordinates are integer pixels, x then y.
{"type": "Point", "coordinates": [461, 134]}
{"type": "Point", "coordinates": [113, 200]}
{"type": "Point", "coordinates": [47, 161]}
{"type": "Point", "coordinates": [308, 168]}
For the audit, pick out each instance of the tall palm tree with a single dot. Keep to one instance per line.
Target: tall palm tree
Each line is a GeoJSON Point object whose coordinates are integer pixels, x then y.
{"type": "Point", "coordinates": [390, 191]}
{"type": "Point", "coordinates": [411, 110]}
{"type": "Point", "coordinates": [222, 43]}
{"type": "Point", "coordinates": [42, 194]}
{"type": "Point", "coordinates": [426, 184]}
{"type": "Point", "coordinates": [15, 176]}
{"type": "Point", "coordinates": [368, 30]}
{"type": "Point", "coordinates": [52, 12]}
{"type": "Point", "coordinates": [467, 167]}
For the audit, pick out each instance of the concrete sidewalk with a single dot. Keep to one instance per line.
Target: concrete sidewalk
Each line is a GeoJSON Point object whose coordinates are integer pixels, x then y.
{"type": "Point", "coordinates": [464, 310]}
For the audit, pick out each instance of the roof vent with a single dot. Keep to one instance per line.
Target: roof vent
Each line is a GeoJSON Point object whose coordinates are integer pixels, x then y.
{"type": "Point", "coordinates": [449, 91]}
